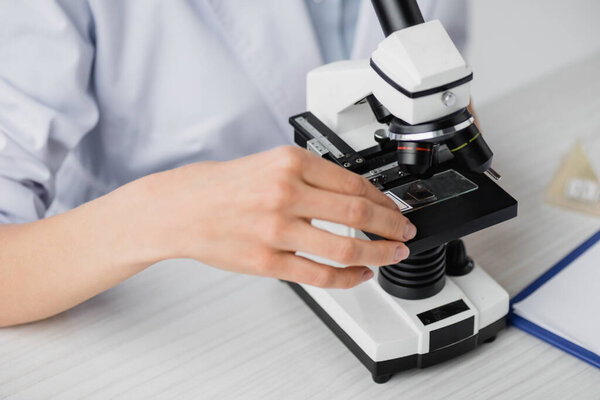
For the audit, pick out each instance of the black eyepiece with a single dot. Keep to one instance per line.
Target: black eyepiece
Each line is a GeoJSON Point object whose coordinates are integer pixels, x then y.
{"type": "Point", "coordinates": [394, 15]}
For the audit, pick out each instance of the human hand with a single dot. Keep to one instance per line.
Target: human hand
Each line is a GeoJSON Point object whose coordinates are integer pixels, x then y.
{"type": "Point", "coordinates": [252, 214]}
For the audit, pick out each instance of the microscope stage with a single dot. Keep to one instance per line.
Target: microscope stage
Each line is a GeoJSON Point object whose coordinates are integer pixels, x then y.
{"type": "Point", "coordinates": [438, 222]}
{"type": "Point", "coordinates": [458, 216]}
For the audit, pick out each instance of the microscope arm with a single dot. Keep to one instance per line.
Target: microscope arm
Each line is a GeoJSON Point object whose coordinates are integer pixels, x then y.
{"type": "Point", "coordinates": [334, 89]}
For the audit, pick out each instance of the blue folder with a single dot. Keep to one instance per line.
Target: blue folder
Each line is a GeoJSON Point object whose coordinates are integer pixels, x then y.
{"type": "Point", "coordinates": [530, 327]}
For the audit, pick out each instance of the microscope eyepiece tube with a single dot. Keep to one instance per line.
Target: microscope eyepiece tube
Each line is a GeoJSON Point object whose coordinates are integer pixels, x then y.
{"type": "Point", "coordinates": [395, 15]}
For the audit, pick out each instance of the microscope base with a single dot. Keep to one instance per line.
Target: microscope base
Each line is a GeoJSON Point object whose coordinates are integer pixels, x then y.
{"type": "Point", "coordinates": [390, 335]}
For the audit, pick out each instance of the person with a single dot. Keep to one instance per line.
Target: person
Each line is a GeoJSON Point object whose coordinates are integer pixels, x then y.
{"type": "Point", "coordinates": [133, 132]}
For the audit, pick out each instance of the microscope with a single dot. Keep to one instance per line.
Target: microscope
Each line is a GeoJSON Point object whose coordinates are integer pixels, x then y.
{"type": "Point", "coordinates": [401, 120]}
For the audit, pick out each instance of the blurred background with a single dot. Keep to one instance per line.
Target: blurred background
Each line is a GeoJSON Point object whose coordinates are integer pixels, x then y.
{"type": "Point", "coordinates": [513, 42]}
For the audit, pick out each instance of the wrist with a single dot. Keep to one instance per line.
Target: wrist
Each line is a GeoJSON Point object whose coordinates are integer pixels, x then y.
{"type": "Point", "coordinates": [134, 229]}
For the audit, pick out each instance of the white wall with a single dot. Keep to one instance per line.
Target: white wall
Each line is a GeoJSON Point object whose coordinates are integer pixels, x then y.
{"type": "Point", "coordinates": [513, 42]}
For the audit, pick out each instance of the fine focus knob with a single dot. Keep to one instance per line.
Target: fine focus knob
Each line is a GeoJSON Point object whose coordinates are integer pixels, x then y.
{"type": "Point", "coordinates": [381, 136]}
{"type": "Point", "coordinates": [458, 263]}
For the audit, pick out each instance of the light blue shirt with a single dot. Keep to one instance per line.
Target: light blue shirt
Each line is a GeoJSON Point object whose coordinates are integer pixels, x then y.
{"type": "Point", "coordinates": [334, 22]}
{"type": "Point", "coordinates": [97, 93]}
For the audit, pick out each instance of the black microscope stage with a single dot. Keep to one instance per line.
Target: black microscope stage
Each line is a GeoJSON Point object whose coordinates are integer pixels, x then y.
{"type": "Point", "coordinates": [438, 222]}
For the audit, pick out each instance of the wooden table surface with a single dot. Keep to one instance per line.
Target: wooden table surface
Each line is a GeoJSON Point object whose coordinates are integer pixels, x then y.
{"type": "Point", "coordinates": [184, 330]}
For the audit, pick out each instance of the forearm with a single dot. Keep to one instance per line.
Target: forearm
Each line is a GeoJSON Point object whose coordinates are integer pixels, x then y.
{"type": "Point", "coordinates": [249, 215]}
{"type": "Point", "coordinates": [53, 264]}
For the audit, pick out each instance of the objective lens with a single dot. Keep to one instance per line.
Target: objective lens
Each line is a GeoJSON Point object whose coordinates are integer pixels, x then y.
{"type": "Point", "coordinates": [416, 157]}
{"type": "Point", "coordinates": [469, 147]}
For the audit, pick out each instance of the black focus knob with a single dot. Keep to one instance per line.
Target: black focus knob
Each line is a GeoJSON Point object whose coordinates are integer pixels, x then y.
{"type": "Point", "coordinates": [381, 136]}
{"type": "Point", "coordinates": [458, 263]}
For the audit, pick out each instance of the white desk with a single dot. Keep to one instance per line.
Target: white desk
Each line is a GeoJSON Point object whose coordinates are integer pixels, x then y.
{"type": "Point", "coordinates": [183, 330]}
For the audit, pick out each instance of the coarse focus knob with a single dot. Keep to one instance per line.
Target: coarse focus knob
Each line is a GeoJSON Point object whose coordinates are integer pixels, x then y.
{"type": "Point", "coordinates": [458, 263]}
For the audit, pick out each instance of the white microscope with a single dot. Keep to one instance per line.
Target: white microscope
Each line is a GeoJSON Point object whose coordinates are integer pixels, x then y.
{"type": "Point", "coordinates": [400, 119]}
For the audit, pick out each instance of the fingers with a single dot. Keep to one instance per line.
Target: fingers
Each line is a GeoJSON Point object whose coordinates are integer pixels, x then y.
{"type": "Point", "coordinates": [301, 236]}
{"type": "Point", "coordinates": [331, 177]}
{"type": "Point", "coordinates": [356, 212]}
{"type": "Point", "coordinates": [302, 270]}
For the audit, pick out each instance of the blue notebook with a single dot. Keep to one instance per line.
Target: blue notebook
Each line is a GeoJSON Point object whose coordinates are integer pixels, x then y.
{"type": "Point", "coordinates": [562, 307]}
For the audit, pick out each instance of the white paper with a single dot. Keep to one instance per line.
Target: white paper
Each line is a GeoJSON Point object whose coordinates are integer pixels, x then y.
{"type": "Point", "coordinates": [402, 205]}
{"type": "Point", "coordinates": [568, 305]}
{"type": "Point", "coordinates": [585, 190]}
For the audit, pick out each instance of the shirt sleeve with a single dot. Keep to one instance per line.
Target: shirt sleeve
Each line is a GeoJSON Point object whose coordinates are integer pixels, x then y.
{"type": "Point", "coordinates": [46, 98]}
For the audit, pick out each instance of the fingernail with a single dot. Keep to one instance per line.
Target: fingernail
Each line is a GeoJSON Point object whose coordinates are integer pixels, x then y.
{"type": "Point", "coordinates": [368, 274]}
{"type": "Point", "coordinates": [402, 253]}
{"type": "Point", "coordinates": [409, 231]}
